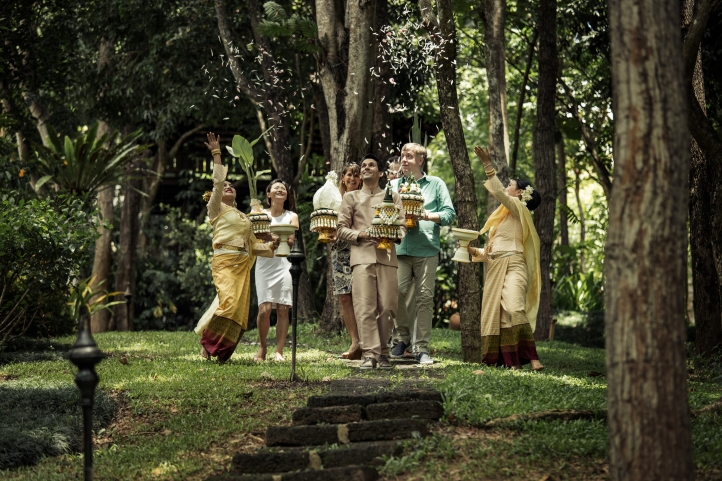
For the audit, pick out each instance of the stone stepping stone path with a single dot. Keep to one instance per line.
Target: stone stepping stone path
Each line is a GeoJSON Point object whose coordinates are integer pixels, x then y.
{"type": "Point", "coordinates": [342, 435]}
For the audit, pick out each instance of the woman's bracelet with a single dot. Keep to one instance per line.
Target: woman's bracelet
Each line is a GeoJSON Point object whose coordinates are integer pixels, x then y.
{"type": "Point", "coordinates": [490, 173]}
{"type": "Point", "coordinates": [216, 152]}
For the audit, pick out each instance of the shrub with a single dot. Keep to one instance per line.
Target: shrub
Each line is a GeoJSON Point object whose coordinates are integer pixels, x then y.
{"type": "Point", "coordinates": [42, 246]}
{"type": "Point", "coordinates": [174, 284]}
{"type": "Point", "coordinates": [45, 419]}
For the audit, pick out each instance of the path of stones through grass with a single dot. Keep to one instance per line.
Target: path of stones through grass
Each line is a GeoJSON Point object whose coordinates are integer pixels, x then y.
{"type": "Point", "coordinates": [344, 434]}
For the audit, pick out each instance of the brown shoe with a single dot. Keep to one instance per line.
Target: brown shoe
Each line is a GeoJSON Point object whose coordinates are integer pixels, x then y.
{"type": "Point", "coordinates": [384, 363]}
{"type": "Point", "coordinates": [369, 363]}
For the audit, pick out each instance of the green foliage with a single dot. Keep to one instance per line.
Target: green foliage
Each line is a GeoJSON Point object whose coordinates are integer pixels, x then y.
{"type": "Point", "coordinates": [43, 418]}
{"type": "Point", "coordinates": [80, 167]}
{"type": "Point", "coordinates": [175, 284]}
{"type": "Point", "coordinates": [302, 30]}
{"type": "Point", "coordinates": [42, 246]}
{"type": "Point", "coordinates": [243, 150]}
{"type": "Point", "coordinates": [85, 300]}
{"type": "Point", "coordinates": [14, 174]}
{"type": "Point", "coordinates": [583, 292]}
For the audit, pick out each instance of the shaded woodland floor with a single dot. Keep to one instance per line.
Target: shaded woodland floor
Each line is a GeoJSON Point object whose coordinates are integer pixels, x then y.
{"type": "Point", "coordinates": [164, 413]}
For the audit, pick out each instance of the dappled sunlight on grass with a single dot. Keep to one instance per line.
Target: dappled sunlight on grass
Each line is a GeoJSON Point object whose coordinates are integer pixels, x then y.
{"type": "Point", "coordinates": [184, 417]}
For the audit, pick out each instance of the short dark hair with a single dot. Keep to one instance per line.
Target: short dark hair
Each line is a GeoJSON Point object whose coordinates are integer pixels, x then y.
{"type": "Point", "coordinates": [535, 196]}
{"type": "Point", "coordinates": [289, 203]}
{"type": "Point", "coordinates": [379, 163]}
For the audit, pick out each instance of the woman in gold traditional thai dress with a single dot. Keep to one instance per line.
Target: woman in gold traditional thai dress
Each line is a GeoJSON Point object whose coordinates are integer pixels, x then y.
{"type": "Point", "coordinates": [512, 277]}
{"type": "Point", "coordinates": [234, 251]}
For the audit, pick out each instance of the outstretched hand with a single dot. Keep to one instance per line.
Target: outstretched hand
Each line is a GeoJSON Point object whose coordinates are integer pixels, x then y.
{"type": "Point", "coordinates": [214, 142]}
{"type": "Point", "coordinates": [483, 154]}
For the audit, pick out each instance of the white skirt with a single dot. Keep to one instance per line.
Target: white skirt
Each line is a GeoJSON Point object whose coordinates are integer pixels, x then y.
{"type": "Point", "coordinates": [273, 281]}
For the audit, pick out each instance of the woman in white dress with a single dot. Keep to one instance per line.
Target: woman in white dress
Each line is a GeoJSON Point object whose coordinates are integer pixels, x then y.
{"type": "Point", "coordinates": [273, 277]}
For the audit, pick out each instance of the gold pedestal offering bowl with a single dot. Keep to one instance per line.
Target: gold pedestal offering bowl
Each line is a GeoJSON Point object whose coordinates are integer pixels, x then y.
{"type": "Point", "coordinates": [414, 206]}
{"type": "Point", "coordinates": [260, 222]}
{"type": "Point", "coordinates": [412, 199]}
{"type": "Point", "coordinates": [324, 222]}
{"type": "Point", "coordinates": [385, 226]}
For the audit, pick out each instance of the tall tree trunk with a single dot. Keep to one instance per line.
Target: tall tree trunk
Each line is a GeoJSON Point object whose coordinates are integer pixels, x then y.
{"type": "Point", "coordinates": [648, 413]}
{"type": "Point", "coordinates": [343, 94]}
{"type": "Point", "coordinates": [103, 256]}
{"type": "Point", "coordinates": [382, 143]}
{"type": "Point", "coordinates": [562, 190]}
{"type": "Point", "coordinates": [494, 16]}
{"type": "Point", "coordinates": [331, 318]}
{"type": "Point", "coordinates": [127, 246]}
{"type": "Point", "coordinates": [347, 48]}
{"type": "Point", "coordinates": [520, 104]}
{"type": "Point", "coordinates": [703, 183]}
{"type": "Point", "coordinates": [544, 161]}
{"type": "Point", "coordinates": [443, 33]}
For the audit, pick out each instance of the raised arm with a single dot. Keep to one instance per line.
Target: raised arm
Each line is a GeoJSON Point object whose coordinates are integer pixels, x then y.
{"type": "Point", "coordinates": [219, 176]}
{"type": "Point", "coordinates": [493, 184]}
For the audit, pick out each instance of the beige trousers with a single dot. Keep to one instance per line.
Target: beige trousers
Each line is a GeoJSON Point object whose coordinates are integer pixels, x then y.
{"type": "Point", "coordinates": [417, 278]}
{"type": "Point", "coordinates": [375, 297]}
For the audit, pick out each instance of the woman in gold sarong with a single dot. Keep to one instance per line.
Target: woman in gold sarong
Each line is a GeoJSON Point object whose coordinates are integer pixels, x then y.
{"type": "Point", "coordinates": [234, 251]}
{"type": "Point", "coordinates": [512, 278]}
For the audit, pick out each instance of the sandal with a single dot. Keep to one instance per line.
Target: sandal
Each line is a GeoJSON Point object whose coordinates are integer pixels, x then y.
{"type": "Point", "coordinates": [353, 355]}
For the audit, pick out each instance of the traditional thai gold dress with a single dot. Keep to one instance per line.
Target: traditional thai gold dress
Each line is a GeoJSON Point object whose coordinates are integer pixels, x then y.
{"type": "Point", "coordinates": [512, 282]}
{"type": "Point", "coordinates": [234, 251]}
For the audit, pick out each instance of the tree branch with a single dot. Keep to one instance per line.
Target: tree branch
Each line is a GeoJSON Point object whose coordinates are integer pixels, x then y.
{"type": "Point", "coordinates": [177, 145]}
{"type": "Point", "coordinates": [246, 87]}
{"type": "Point", "coordinates": [552, 414]}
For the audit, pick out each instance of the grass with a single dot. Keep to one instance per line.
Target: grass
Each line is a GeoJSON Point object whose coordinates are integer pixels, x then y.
{"type": "Point", "coordinates": [179, 417]}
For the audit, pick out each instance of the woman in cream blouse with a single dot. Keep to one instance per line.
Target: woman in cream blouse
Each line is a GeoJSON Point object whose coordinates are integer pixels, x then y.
{"type": "Point", "coordinates": [512, 278]}
{"type": "Point", "coordinates": [234, 251]}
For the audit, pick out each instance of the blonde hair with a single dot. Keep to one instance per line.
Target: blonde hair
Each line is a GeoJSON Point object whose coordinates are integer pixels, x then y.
{"type": "Point", "coordinates": [417, 149]}
{"type": "Point", "coordinates": [356, 172]}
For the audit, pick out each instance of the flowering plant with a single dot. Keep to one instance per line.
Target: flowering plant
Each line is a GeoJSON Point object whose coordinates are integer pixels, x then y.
{"type": "Point", "coordinates": [526, 194]}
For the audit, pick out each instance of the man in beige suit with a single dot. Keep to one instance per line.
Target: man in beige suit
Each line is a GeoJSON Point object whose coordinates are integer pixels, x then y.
{"type": "Point", "coordinates": [375, 286]}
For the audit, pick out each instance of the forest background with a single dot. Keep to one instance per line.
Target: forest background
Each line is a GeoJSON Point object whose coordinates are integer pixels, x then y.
{"type": "Point", "coordinates": [106, 104]}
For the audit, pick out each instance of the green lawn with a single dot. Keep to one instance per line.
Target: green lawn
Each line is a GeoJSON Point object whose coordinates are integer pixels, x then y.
{"type": "Point", "coordinates": [179, 417]}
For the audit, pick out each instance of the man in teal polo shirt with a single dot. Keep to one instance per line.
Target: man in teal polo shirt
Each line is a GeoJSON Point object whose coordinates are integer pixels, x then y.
{"type": "Point", "coordinates": [418, 257]}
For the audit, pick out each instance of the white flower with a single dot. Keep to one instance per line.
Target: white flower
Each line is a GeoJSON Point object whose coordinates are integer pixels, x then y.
{"type": "Point", "coordinates": [526, 194]}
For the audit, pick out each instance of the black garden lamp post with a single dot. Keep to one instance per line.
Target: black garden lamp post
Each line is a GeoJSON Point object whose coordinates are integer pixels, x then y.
{"type": "Point", "coordinates": [85, 354]}
{"type": "Point", "coordinates": [296, 257]}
